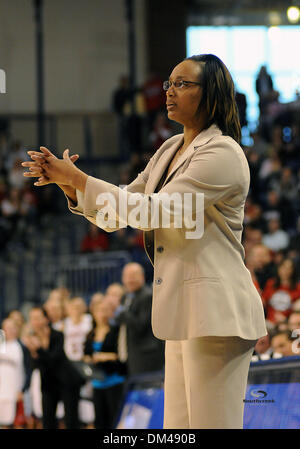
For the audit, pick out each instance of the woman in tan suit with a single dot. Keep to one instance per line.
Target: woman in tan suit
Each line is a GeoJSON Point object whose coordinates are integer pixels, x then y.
{"type": "Point", "coordinates": [204, 302]}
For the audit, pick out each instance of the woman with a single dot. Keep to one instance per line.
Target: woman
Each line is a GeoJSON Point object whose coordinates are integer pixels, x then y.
{"type": "Point", "coordinates": [101, 349]}
{"type": "Point", "coordinates": [204, 302]}
{"type": "Point", "coordinates": [15, 373]}
{"type": "Point", "coordinates": [77, 325]}
{"type": "Point", "coordinates": [46, 346]}
{"type": "Point", "coordinates": [281, 292]}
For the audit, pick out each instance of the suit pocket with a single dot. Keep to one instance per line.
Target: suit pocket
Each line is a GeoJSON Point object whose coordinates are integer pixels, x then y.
{"type": "Point", "coordinates": [205, 306]}
{"type": "Point", "coordinates": [201, 279]}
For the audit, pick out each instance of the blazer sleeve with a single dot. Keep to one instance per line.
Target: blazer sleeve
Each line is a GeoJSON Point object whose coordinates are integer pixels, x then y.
{"type": "Point", "coordinates": [136, 186]}
{"type": "Point", "coordinates": [218, 172]}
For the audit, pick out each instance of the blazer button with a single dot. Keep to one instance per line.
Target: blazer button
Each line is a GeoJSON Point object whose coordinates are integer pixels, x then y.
{"type": "Point", "coordinates": [160, 249]}
{"type": "Point", "coordinates": [158, 281]}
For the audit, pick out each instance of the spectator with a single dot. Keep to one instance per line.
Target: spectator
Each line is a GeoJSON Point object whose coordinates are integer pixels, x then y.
{"type": "Point", "coordinates": [289, 151]}
{"type": "Point", "coordinates": [294, 321]}
{"type": "Point", "coordinates": [17, 152]}
{"type": "Point", "coordinates": [254, 161]}
{"type": "Point", "coordinates": [281, 326]}
{"type": "Point", "coordinates": [264, 86]}
{"type": "Point", "coordinates": [96, 298]}
{"type": "Point", "coordinates": [101, 349]}
{"type": "Point", "coordinates": [161, 131]}
{"type": "Point", "coordinates": [288, 187]}
{"type": "Point", "coordinates": [121, 96]}
{"type": "Point", "coordinates": [18, 318]}
{"type": "Point", "coordinates": [263, 349]}
{"type": "Point", "coordinates": [154, 97]}
{"type": "Point", "coordinates": [56, 314]}
{"type": "Point", "coordinates": [276, 238]}
{"type": "Point", "coordinates": [15, 177]}
{"type": "Point", "coordinates": [114, 294]}
{"type": "Point", "coordinates": [241, 101]}
{"type": "Point", "coordinates": [275, 112]}
{"type": "Point", "coordinates": [95, 240]}
{"type": "Point", "coordinates": [46, 347]}
{"type": "Point", "coordinates": [10, 206]}
{"type": "Point", "coordinates": [76, 327]}
{"type": "Point", "coordinates": [282, 344]}
{"type": "Point", "coordinates": [137, 344]}
{"type": "Point", "coordinates": [269, 177]}
{"type": "Point", "coordinates": [251, 238]}
{"type": "Point", "coordinates": [270, 165]}
{"type": "Point", "coordinates": [274, 207]}
{"type": "Point", "coordinates": [253, 215]}
{"type": "Point", "coordinates": [121, 105]}
{"type": "Point", "coordinates": [280, 292]}
{"type": "Point", "coordinates": [296, 306]}
{"type": "Point", "coordinates": [262, 264]}
{"type": "Point", "coordinates": [260, 145]}
{"type": "Point", "coordinates": [61, 294]}
{"type": "Point", "coordinates": [15, 373]}
{"type": "Point", "coordinates": [279, 256]}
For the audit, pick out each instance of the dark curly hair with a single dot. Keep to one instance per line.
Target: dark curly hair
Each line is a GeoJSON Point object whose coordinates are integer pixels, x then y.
{"type": "Point", "coordinates": [218, 98]}
{"type": "Point", "coordinates": [294, 276]}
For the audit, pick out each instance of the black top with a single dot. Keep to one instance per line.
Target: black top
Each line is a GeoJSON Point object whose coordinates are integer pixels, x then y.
{"type": "Point", "coordinates": [109, 344]}
{"type": "Point", "coordinates": [27, 366]}
{"type": "Point", "coordinates": [53, 364]}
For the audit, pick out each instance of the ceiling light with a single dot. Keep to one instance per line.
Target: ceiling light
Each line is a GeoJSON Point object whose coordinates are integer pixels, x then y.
{"type": "Point", "coordinates": [293, 14]}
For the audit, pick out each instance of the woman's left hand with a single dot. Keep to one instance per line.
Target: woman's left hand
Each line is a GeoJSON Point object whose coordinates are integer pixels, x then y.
{"type": "Point", "coordinates": [49, 169]}
{"type": "Point", "coordinates": [104, 357]}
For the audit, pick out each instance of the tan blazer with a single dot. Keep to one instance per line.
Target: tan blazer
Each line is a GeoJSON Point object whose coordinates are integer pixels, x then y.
{"type": "Point", "coordinates": [201, 286]}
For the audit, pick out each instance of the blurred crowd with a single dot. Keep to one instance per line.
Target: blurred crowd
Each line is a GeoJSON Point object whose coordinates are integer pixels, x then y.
{"type": "Point", "coordinates": [112, 332]}
{"type": "Point", "coordinates": [21, 204]}
{"type": "Point", "coordinates": [43, 369]}
{"type": "Point", "coordinates": [18, 200]}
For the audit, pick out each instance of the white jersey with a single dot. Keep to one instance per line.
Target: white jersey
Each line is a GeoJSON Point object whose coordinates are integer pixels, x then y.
{"type": "Point", "coordinates": [75, 336]}
{"type": "Point", "coordinates": [58, 326]}
{"type": "Point", "coordinates": [12, 373]}
{"type": "Point", "coordinates": [12, 378]}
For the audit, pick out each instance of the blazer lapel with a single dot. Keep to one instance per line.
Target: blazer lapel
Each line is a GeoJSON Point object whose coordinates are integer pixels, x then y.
{"type": "Point", "coordinates": [162, 164]}
{"type": "Point", "coordinates": [164, 160]}
{"type": "Point", "coordinates": [201, 139]}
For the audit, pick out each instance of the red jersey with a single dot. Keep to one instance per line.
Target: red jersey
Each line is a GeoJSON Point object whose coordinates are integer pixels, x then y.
{"type": "Point", "coordinates": [279, 299]}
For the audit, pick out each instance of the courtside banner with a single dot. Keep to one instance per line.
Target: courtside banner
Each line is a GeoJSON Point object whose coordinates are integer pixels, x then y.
{"type": "Point", "coordinates": [273, 394]}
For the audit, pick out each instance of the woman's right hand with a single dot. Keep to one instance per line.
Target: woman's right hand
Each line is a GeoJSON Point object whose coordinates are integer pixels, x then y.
{"type": "Point", "coordinates": [36, 169]}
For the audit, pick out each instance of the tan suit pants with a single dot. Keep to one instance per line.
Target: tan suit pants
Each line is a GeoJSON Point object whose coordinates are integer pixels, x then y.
{"type": "Point", "coordinates": [205, 382]}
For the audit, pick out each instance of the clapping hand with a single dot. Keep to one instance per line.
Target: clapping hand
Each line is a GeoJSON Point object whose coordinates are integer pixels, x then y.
{"type": "Point", "coordinates": [49, 169]}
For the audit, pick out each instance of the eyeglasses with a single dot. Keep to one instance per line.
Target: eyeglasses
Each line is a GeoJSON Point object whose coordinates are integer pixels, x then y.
{"type": "Point", "coordinates": [179, 84]}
